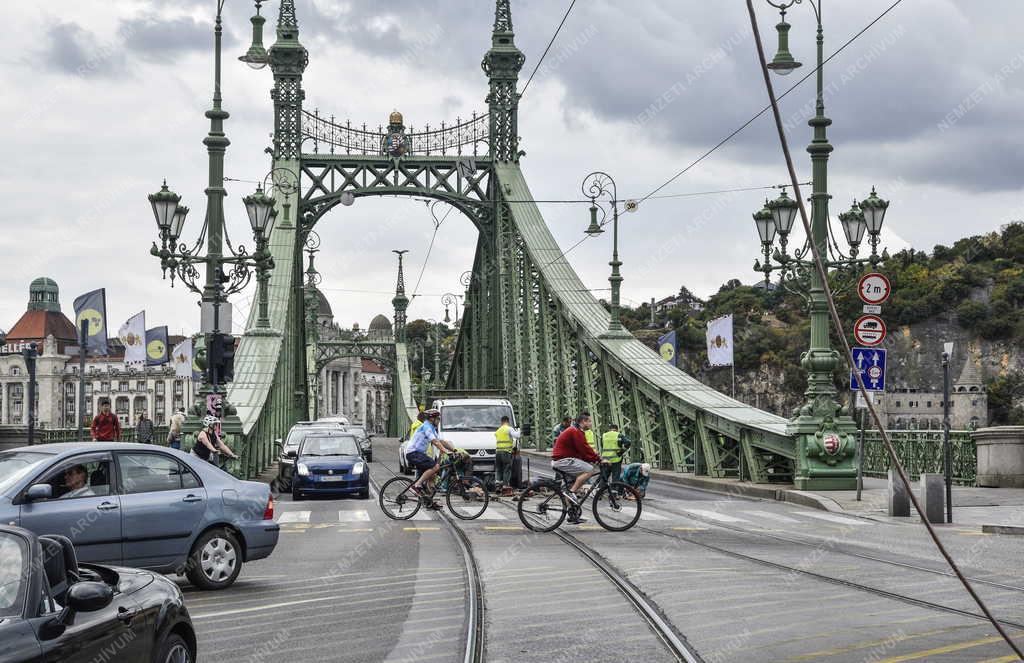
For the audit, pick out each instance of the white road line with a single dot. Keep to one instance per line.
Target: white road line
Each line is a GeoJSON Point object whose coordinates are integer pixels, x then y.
{"type": "Point", "coordinates": [834, 519]}
{"type": "Point", "coordinates": [353, 517]}
{"type": "Point", "coordinates": [714, 515]}
{"type": "Point", "coordinates": [650, 515]}
{"type": "Point", "coordinates": [488, 514]}
{"type": "Point", "coordinates": [772, 516]}
{"type": "Point", "coordinates": [294, 517]}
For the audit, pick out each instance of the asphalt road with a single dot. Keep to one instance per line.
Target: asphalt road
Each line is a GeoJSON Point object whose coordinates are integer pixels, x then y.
{"type": "Point", "coordinates": [742, 580]}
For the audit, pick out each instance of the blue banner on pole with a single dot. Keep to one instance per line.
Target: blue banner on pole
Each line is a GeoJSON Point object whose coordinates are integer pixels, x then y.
{"type": "Point", "coordinates": [870, 364]}
{"type": "Point", "coordinates": [667, 348]}
{"type": "Point", "coordinates": [157, 352]}
{"type": "Point", "coordinates": [92, 306]}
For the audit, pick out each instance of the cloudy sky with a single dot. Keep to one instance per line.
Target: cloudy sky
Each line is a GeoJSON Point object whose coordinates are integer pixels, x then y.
{"type": "Point", "coordinates": [106, 99]}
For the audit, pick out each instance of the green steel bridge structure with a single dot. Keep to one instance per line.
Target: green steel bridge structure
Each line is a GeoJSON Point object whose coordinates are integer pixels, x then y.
{"type": "Point", "coordinates": [530, 329]}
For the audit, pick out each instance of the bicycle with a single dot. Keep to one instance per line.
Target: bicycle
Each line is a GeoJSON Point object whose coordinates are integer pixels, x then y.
{"type": "Point", "coordinates": [466, 496]}
{"type": "Point", "coordinates": [616, 506]}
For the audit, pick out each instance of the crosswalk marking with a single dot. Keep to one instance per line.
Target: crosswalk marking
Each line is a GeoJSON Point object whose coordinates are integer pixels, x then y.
{"type": "Point", "coordinates": [835, 519]}
{"type": "Point", "coordinates": [488, 514]}
{"type": "Point", "coordinates": [650, 515]}
{"type": "Point", "coordinates": [353, 517]}
{"type": "Point", "coordinates": [772, 516]}
{"type": "Point", "coordinates": [294, 517]}
{"type": "Point", "coordinates": [714, 515]}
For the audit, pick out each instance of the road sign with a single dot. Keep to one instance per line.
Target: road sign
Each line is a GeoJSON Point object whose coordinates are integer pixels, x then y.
{"type": "Point", "coordinates": [631, 205]}
{"type": "Point", "coordinates": [870, 363]}
{"type": "Point", "coordinates": [874, 288]}
{"type": "Point", "coordinates": [869, 330]}
{"type": "Point", "coordinates": [872, 308]}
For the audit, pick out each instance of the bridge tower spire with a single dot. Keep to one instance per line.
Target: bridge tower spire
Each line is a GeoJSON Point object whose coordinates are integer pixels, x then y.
{"type": "Point", "coordinates": [288, 60]}
{"type": "Point", "coordinates": [400, 301]}
{"type": "Point", "coordinates": [502, 64]}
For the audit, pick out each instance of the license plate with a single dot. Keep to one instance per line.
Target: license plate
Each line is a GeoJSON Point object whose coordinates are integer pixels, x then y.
{"type": "Point", "coordinates": [338, 478]}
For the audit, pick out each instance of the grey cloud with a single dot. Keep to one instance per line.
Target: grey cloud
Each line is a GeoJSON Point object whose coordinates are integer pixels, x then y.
{"type": "Point", "coordinates": [159, 39]}
{"type": "Point", "coordinates": [71, 49]}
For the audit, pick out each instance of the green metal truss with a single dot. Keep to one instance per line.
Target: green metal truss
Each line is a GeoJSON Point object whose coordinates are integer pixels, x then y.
{"type": "Point", "coordinates": [530, 327]}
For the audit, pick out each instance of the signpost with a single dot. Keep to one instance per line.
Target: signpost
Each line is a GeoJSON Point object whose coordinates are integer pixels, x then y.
{"type": "Point", "coordinates": [874, 288]}
{"type": "Point", "coordinates": [869, 330]}
{"type": "Point", "coordinates": [871, 366]}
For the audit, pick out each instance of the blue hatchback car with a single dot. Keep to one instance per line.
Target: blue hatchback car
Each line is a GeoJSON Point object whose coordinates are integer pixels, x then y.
{"type": "Point", "coordinates": [139, 505]}
{"type": "Point", "coordinates": [330, 463]}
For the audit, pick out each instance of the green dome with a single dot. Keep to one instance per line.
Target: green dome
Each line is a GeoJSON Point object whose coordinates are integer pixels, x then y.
{"type": "Point", "coordinates": [44, 295]}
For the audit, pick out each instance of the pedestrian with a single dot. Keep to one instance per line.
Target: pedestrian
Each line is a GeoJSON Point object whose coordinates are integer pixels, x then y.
{"type": "Point", "coordinates": [174, 433]}
{"type": "Point", "coordinates": [505, 448]}
{"type": "Point", "coordinates": [637, 475]}
{"type": "Point", "coordinates": [208, 444]}
{"type": "Point", "coordinates": [105, 426]}
{"type": "Point", "coordinates": [144, 429]}
{"type": "Point", "coordinates": [591, 439]}
{"type": "Point", "coordinates": [613, 444]}
{"type": "Point", "coordinates": [560, 428]}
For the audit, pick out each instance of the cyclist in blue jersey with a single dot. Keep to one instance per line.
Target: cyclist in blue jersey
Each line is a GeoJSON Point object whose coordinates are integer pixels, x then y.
{"type": "Point", "coordinates": [416, 452]}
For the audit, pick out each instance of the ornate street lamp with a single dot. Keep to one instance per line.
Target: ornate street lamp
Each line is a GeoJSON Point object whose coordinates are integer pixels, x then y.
{"type": "Point", "coordinates": [256, 57]}
{"type": "Point", "coordinates": [450, 299]}
{"type": "Point", "coordinates": [601, 185]}
{"type": "Point", "coordinates": [822, 429]}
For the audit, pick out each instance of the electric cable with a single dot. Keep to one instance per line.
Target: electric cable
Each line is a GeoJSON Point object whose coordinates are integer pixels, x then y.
{"type": "Point", "coordinates": [847, 353]}
{"type": "Point", "coordinates": [544, 54]}
{"type": "Point", "coordinates": [767, 108]}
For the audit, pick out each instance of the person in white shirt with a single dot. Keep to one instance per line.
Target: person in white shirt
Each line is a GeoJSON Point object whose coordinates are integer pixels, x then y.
{"type": "Point", "coordinates": [75, 478]}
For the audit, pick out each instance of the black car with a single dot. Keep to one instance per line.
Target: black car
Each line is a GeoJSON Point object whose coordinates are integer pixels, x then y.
{"type": "Point", "coordinates": [54, 609]}
{"type": "Point", "coordinates": [289, 447]}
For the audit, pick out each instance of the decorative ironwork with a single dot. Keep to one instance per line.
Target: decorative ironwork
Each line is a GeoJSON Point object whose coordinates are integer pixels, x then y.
{"type": "Point", "coordinates": [502, 16]}
{"type": "Point", "coordinates": [920, 451]}
{"type": "Point", "coordinates": [465, 137]}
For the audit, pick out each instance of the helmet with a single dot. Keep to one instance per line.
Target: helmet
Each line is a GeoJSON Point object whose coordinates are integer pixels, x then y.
{"type": "Point", "coordinates": [432, 412]}
{"type": "Point", "coordinates": [210, 420]}
{"type": "Point", "coordinates": [645, 469]}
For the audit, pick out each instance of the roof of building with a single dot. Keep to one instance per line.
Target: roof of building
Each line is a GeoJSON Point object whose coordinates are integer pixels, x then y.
{"type": "Point", "coordinates": [971, 373]}
{"type": "Point", "coordinates": [36, 325]}
{"type": "Point", "coordinates": [380, 323]}
{"type": "Point", "coordinates": [324, 306]}
{"type": "Point", "coordinates": [44, 295]}
{"type": "Point", "coordinates": [370, 366]}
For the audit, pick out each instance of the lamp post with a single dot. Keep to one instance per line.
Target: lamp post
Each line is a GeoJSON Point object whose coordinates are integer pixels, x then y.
{"type": "Point", "coordinates": [450, 299]}
{"type": "Point", "coordinates": [181, 260]}
{"type": "Point", "coordinates": [824, 432]}
{"type": "Point", "coordinates": [437, 351]}
{"type": "Point", "coordinates": [601, 185]}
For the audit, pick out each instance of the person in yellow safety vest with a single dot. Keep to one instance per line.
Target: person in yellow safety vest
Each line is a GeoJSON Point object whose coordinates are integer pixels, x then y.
{"type": "Point", "coordinates": [591, 440]}
{"type": "Point", "coordinates": [506, 446]}
{"type": "Point", "coordinates": [613, 444]}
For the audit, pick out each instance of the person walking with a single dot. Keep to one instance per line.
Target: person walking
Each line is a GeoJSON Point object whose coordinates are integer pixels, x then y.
{"type": "Point", "coordinates": [506, 446]}
{"type": "Point", "coordinates": [613, 444]}
{"type": "Point", "coordinates": [174, 433]}
{"type": "Point", "coordinates": [105, 426]}
{"type": "Point", "coordinates": [144, 429]}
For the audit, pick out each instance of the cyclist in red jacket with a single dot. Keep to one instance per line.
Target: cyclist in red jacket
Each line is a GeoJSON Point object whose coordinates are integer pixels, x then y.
{"type": "Point", "coordinates": [573, 455]}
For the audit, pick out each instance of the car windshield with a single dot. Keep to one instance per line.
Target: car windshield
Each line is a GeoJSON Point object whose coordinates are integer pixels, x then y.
{"type": "Point", "coordinates": [473, 417]}
{"type": "Point", "coordinates": [12, 574]}
{"type": "Point", "coordinates": [298, 434]}
{"type": "Point", "coordinates": [14, 465]}
{"type": "Point", "coordinates": [340, 445]}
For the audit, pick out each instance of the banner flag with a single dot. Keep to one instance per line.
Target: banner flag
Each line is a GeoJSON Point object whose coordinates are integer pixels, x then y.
{"type": "Point", "coordinates": [181, 355]}
{"type": "Point", "coordinates": [156, 346]}
{"type": "Point", "coordinates": [133, 337]}
{"type": "Point", "coordinates": [667, 348]}
{"type": "Point", "coordinates": [92, 306]}
{"type": "Point", "coordinates": [720, 345]}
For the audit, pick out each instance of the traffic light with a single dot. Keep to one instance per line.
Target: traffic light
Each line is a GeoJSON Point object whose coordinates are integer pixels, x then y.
{"type": "Point", "coordinates": [222, 358]}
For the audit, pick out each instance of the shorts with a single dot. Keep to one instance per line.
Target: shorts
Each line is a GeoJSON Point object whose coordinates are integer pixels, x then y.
{"type": "Point", "coordinates": [421, 461]}
{"type": "Point", "coordinates": [572, 466]}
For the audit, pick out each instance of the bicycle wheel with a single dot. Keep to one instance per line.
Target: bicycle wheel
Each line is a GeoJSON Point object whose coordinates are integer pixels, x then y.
{"type": "Point", "coordinates": [542, 513]}
{"type": "Point", "coordinates": [397, 500]}
{"type": "Point", "coordinates": [613, 511]}
{"type": "Point", "coordinates": [467, 498]}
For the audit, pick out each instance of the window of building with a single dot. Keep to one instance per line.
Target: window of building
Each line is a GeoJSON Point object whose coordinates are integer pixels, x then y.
{"type": "Point", "coordinates": [974, 403]}
{"type": "Point", "coordinates": [897, 403]}
{"type": "Point", "coordinates": [140, 385]}
{"type": "Point", "coordinates": [158, 388]}
{"type": "Point", "coordinates": [105, 386]}
{"type": "Point", "coordinates": [179, 388]}
{"type": "Point", "coordinates": [88, 388]}
{"type": "Point", "coordinates": [15, 370]}
{"type": "Point", "coordinates": [122, 385]}
{"type": "Point", "coordinates": [121, 406]}
{"type": "Point", "coordinates": [929, 404]}
{"type": "Point", "coordinates": [70, 388]}
{"type": "Point", "coordinates": [179, 402]}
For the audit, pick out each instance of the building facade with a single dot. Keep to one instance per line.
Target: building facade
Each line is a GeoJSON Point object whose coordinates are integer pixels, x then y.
{"type": "Point", "coordinates": [907, 408]}
{"type": "Point", "coordinates": [154, 389]}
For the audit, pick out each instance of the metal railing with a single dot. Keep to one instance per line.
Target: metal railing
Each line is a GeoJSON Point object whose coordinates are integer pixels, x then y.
{"type": "Point", "coordinates": [51, 435]}
{"type": "Point", "coordinates": [920, 451]}
{"type": "Point", "coordinates": [465, 137]}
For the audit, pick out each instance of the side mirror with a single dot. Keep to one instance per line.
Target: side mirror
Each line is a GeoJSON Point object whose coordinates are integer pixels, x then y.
{"type": "Point", "coordinates": [39, 491]}
{"type": "Point", "coordinates": [292, 454]}
{"type": "Point", "coordinates": [279, 443]}
{"type": "Point", "coordinates": [85, 596]}
{"type": "Point", "coordinates": [527, 429]}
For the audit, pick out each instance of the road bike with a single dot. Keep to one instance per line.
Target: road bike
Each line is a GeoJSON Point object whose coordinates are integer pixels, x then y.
{"type": "Point", "coordinates": [542, 508]}
{"type": "Point", "coordinates": [466, 496]}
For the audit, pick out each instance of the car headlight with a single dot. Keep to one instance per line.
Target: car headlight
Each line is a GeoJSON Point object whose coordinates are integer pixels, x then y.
{"type": "Point", "coordinates": [358, 468]}
{"type": "Point", "coordinates": [302, 469]}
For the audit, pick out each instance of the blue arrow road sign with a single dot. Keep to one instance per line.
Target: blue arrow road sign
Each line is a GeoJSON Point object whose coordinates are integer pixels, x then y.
{"type": "Point", "coordinates": [871, 364]}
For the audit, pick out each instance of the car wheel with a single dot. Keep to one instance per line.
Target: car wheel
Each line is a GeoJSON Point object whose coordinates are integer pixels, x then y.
{"type": "Point", "coordinates": [369, 458]}
{"type": "Point", "coordinates": [173, 649]}
{"type": "Point", "coordinates": [296, 495]}
{"type": "Point", "coordinates": [215, 561]}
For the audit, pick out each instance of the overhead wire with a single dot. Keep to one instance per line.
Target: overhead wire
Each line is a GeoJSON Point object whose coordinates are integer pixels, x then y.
{"type": "Point", "coordinates": [768, 107]}
{"type": "Point", "coordinates": [430, 248]}
{"type": "Point", "coordinates": [846, 350]}
{"type": "Point", "coordinates": [548, 48]}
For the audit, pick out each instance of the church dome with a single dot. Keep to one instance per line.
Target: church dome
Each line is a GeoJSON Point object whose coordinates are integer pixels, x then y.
{"type": "Point", "coordinates": [323, 306]}
{"type": "Point", "coordinates": [44, 295]}
{"type": "Point", "coordinates": [380, 323]}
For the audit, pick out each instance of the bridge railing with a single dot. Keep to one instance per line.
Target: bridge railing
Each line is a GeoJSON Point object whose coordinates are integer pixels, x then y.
{"type": "Point", "coordinates": [920, 451]}
{"type": "Point", "coordinates": [465, 137]}
{"type": "Point", "coordinates": [53, 435]}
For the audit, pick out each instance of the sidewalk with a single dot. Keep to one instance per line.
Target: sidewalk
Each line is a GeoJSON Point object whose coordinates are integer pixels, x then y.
{"type": "Point", "coordinates": [993, 510]}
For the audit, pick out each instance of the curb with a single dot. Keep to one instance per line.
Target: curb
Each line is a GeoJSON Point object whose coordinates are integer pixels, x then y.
{"type": "Point", "coordinates": [736, 489]}
{"type": "Point", "coordinates": [1002, 529]}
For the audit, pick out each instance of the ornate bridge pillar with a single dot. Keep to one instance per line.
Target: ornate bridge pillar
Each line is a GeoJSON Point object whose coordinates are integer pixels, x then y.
{"type": "Point", "coordinates": [502, 65]}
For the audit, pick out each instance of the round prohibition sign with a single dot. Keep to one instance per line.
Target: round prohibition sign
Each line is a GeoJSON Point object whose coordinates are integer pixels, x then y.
{"type": "Point", "coordinates": [869, 330]}
{"type": "Point", "coordinates": [874, 288]}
